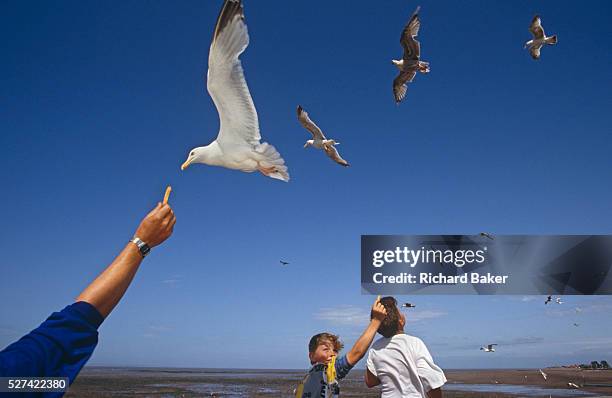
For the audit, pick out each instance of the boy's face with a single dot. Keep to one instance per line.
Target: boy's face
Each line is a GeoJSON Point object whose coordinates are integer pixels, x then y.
{"type": "Point", "coordinates": [324, 352]}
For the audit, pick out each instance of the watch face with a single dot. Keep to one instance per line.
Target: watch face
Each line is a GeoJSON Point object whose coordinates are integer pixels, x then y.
{"type": "Point", "coordinates": [145, 250]}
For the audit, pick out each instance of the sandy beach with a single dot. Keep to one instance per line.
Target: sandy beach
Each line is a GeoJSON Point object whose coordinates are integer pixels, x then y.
{"type": "Point", "coordinates": [97, 382]}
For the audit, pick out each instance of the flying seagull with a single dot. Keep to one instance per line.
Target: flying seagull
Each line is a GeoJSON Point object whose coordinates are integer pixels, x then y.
{"type": "Point", "coordinates": [488, 348]}
{"type": "Point", "coordinates": [284, 262]}
{"type": "Point", "coordinates": [574, 385]}
{"type": "Point", "coordinates": [408, 305]}
{"type": "Point", "coordinates": [238, 144]}
{"type": "Point", "coordinates": [558, 300]}
{"type": "Point", "coordinates": [539, 38]}
{"type": "Point", "coordinates": [319, 141]}
{"type": "Point", "coordinates": [543, 374]}
{"type": "Point", "coordinates": [576, 324]}
{"type": "Point", "coordinates": [486, 235]}
{"type": "Point", "coordinates": [411, 62]}
{"type": "Point", "coordinates": [548, 299]}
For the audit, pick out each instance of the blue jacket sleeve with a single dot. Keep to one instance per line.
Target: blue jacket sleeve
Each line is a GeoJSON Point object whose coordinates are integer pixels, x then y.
{"type": "Point", "coordinates": [59, 347]}
{"type": "Point", "coordinates": [342, 367]}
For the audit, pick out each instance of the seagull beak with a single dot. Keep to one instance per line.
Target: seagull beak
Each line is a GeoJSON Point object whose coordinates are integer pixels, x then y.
{"type": "Point", "coordinates": [186, 164]}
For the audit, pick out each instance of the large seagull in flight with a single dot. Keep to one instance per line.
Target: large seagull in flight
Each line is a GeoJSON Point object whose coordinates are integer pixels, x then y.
{"type": "Point", "coordinates": [411, 62]}
{"type": "Point", "coordinates": [539, 38]}
{"type": "Point", "coordinates": [318, 138]}
{"type": "Point", "coordinates": [238, 144]}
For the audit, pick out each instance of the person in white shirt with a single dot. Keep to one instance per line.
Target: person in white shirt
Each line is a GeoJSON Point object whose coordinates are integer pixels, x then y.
{"type": "Point", "coordinates": [401, 363]}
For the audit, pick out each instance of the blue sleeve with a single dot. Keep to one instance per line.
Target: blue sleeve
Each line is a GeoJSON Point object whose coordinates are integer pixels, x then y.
{"type": "Point", "coordinates": [342, 367]}
{"type": "Point", "coordinates": [59, 347]}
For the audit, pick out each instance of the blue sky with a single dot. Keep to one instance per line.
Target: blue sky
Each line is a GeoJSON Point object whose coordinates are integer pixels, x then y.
{"type": "Point", "coordinates": [102, 102]}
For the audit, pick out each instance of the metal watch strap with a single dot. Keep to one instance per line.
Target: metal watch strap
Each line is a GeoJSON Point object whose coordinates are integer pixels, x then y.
{"type": "Point", "coordinates": [143, 248]}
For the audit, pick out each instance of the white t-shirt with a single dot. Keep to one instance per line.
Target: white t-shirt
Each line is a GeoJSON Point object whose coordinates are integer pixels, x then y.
{"type": "Point", "coordinates": [404, 367]}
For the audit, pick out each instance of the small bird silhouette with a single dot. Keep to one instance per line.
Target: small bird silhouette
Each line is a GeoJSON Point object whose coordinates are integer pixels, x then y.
{"type": "Point", "coordinates": [486, 235]}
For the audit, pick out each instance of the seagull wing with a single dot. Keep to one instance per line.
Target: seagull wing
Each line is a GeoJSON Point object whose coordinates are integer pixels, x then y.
{"type": "Point", "coordinates": [309, 124]}
{"type": "Point", "coordinates": [412, 48]}
{"type": "Point", "coordinates": [332, 152]}
{"type": "Point", "coordinates": [536, 28]}
{"type": "Point", "coordinates": [226, 83]}
{"type": "Point", "coordinates": [399, 84]}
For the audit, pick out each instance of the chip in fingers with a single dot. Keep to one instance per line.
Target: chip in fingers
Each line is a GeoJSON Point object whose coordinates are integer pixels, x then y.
{"type": "Point", "coordinates": [167, 194]}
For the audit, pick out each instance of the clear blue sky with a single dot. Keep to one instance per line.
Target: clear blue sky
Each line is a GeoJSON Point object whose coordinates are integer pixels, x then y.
{"type": "Point", "coordinates": [101, 102]}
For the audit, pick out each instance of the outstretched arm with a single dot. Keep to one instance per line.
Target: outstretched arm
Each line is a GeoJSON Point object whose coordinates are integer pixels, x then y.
{"type": "Point", "coordinates": [63, 343]}
{"type": "Point", "coordinates": [362, 345]}
{"type": "Point", "coordinates": [109, 287]}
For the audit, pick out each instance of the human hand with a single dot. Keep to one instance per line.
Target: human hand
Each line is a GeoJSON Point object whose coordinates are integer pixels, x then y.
{"type": "Point", "coordinates": [157, 226]}
{"type": "Point", "coordinates": [378, 310]}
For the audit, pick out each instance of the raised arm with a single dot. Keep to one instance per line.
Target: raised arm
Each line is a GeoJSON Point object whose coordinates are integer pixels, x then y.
{"type": "Point", "coordinates": [63, 343]}
{"type": "Point", "coordinates": [109, 287]}
{"type": "Point", "coordinates": [362, 345]}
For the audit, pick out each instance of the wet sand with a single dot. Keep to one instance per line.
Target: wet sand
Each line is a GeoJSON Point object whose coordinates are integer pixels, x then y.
{"type": "Point", "coordinates": [95, 382]}
{"type": "Point", "coordinates": [556, 378]}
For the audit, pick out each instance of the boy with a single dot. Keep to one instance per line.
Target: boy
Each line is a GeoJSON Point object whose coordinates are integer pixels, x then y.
{"type": "Point", "coordinates": [401, 363]}
{"type": "Point", "coordinates": [323, 348]}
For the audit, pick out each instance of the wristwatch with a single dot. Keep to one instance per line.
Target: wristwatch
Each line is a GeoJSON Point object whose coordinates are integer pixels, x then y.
{"type": "Point", "coordinates": [143, 248]}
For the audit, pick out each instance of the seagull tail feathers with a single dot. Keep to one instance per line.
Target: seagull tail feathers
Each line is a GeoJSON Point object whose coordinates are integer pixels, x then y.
{"type": "Point", "coordinates": [271, 158]}
{"type": "Point", "coordinates": [552, 39]}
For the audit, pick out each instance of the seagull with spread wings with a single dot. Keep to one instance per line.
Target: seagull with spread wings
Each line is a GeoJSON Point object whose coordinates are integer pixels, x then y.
{"type": "Point", "coordinates": [238, 143]}
{"type": "Point", "coordinates": [487, 235]}
{"type": "Point", "coordinates": [411, 62]}
{"type": "Point", "coordinates": [318, 138]}
{"type": "Point", "coordinates": [539, 38]}
{"type": "Point", "coordinates": [488, 348]}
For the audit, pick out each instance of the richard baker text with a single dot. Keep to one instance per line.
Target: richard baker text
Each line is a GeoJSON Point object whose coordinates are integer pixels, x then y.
{"type": "Point", "coordinates": [441, 279]}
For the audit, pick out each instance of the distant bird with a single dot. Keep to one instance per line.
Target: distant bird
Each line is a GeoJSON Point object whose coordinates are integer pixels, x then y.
{"type": "Point", "coordinates": [319, 141]}
{"type": "Point", "coordinates": [284, 262]}
{"type": "Point", "coordinates": [539, 38]}
{"type": "Point", "coordinates": [486, 235]}
{"type": "Point", "coordinates": [548, 299]}
{"type": "Point", "coordinates": [488, 348]}
{"type": "Point", "coordinates": [408, 305]}
{"type": "Point", "coordinates": [576, 324]}
{"type": "Point", "coordinates": [578, 309]}
{"type": "Point", "coordinates": [574, 385]}
{"type": "Point", "coordinates": [411, 62]}
{"type": "Point", "coordinates": [558, 300]}
{"type": "Point", "coordinates": [238, 143]}
{"type": "Point", "coordinates": [544, 375]}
